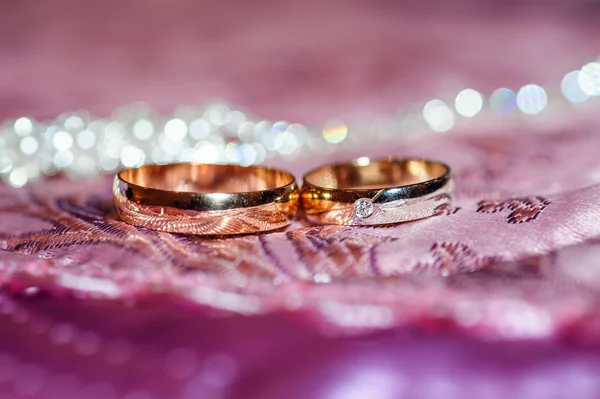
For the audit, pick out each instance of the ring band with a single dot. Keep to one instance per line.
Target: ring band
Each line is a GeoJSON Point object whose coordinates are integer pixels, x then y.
{"type": "Point", "coordinates": [375, 192]}
{"type": "Point", "coordinates": [206, 199]}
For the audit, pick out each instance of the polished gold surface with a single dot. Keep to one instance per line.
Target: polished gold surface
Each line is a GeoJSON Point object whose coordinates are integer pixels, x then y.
{"type": "Point", "coordinates": [206, 199]}
{"type": "Point", "coordinates": [372, 192]}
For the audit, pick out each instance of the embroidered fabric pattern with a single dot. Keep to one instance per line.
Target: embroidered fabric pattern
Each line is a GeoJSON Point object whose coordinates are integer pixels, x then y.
{"type": "Point", "coordinates": [496, 265]}
{"type": "Point", "coordinates": [494, 296]}
{"type": "Point", "coordinates": [71, 240]}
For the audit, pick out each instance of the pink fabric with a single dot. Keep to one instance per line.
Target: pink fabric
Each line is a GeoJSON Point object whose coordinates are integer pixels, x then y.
{"type": "Point", "coordinates": [495, 296]}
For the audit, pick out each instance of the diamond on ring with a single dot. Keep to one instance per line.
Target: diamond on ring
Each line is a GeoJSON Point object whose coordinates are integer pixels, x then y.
{"type": "Point", "coordinates": [363, 208]}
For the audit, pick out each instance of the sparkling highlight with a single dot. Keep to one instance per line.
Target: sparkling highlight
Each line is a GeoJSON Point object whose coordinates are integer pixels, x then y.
{"type": "Point", "coordinates": [438, 115]}
{"type": "Point", "coordinates": [468, 103]}
{"type": "Point", "coordinates": [503, 101]}
{"type": "Point", "coordinates": [570, 88]}
{"type": "Point", "coordinates": [23, 126]}
{"type": "Point", "coordinates": [335, 132]}
{"type": "Point", "coordinates": [175, 129]}
{"type": "Point", "coordinates": [589, 79]}
{"type": "Point", "coordinates": [532, 99]}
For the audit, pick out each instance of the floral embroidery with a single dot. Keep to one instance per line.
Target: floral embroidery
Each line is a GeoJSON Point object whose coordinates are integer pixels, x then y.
{"type": "Point", "coordinates": [445, 209]}
{"type": "Point", "coordinates": [523, 209]}
{"type": "Point", "coordinates": [453, 257]}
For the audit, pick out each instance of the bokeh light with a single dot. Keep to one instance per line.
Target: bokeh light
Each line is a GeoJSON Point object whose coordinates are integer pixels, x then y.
{"type": "Point", "coordinates": [532, 99]}
{"type": "Point", "coordinates": [244, 154]}
{"type": "Point", "coordinates": [28, 145]}
{"type": "Point", "coordinates": [23, 126]}
{"type": "Point", "coordinates": [286, 143]}
{"type": "Point", "coordinates": [199, 129]}
{"type": "Point", "coordinates": [63, 159]}
{"type": "Point", "coordinates": [363, 161]}
{"type": "Point", "coordinates": [18, 177]}
{"type": "Point", "coordinates": [132, 157]}
{"type": "Point", "coordinates": [438, 115]}
{"type": "Point", "coordinates": [143, 129]}
{"type": "Point", "coordinates": [62, 141]}
{"type": "Point", "coordinates": [73, 122]}
{"type": "Point", "coordinates": [503, 101]}
{"type": "Point", "coordinates": [468, 103]}
{"type": "Point", "coordinates": [589, 79]}
{"type": "Point", "coordinates": [175, 129]}
{"type": "Point", "coordinates": [335, 132]}
{"type": "Point", "coordinates": [86, 139]}
{"type": "Point", "coordinates": [206, 152]}
{"type": "Point", "coordinates": [570, 88]}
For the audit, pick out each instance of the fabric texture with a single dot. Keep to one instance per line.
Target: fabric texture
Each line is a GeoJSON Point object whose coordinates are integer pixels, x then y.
{"type": "Point", "coordinates": [495, 295]}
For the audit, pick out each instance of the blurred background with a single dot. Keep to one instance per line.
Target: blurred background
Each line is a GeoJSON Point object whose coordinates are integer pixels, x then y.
{"type": "Point", "coordinates": [317, 63]}
{"type": "Point", "coordinates": [295, 60]}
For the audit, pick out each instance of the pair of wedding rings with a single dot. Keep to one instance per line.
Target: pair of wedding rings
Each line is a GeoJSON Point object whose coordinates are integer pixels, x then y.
{"type": "Point", "coordinates": [215, 200]}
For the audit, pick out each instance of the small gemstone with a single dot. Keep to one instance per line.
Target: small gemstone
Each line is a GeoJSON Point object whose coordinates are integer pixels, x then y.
{"type": "Point", "coordinates": [363, 208]}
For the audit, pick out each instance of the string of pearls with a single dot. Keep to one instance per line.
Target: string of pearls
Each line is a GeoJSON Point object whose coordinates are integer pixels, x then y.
{"type": "Point", "coordinates": [80, 145]}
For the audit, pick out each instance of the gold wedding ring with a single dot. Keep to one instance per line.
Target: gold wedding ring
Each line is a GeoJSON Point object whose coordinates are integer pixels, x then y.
{"type": "Point", "coordinates": [376, 192]}
{"type": "Point", "coordinates": [206, 199]}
